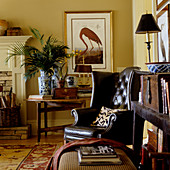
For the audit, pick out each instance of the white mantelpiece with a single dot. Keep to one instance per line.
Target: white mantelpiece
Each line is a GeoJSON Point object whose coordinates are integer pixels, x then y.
{"type": "Point", "coordinates": [5, 43]}
{"type": "Point", "coordinates": [7, 40]}
{"type": "Point", "coordinates": [18, 82]}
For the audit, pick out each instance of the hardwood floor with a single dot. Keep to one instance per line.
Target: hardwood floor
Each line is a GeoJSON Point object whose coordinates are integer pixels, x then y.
{"type": "Point", "coordinates": [55, 138]}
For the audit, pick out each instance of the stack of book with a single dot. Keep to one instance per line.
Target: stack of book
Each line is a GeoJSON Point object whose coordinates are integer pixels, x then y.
{"type": "Point", "coordinates": [84, 92]}
{"type": "Point", "coordinates": [98, 155]}
{"type": "Point", "coordinates": [40, 97]}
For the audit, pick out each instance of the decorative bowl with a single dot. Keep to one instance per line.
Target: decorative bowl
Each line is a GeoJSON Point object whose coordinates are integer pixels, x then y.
{"type": "Point", "coordinates": [158, 67]}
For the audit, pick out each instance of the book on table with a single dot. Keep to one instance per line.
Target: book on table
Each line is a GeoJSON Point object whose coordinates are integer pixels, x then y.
{"type": "Point", "coordinates": [98, 155]}
{"type": "Point", "coordinates": [40, 96]}
{"type": "Point", "coordinates": [84, 92]}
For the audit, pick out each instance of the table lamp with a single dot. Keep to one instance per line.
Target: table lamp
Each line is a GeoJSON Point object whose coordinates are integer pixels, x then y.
{"type": "Point", "coordinates": [81, 68]}
{"type": "Point", "coordinates": [147, 25]}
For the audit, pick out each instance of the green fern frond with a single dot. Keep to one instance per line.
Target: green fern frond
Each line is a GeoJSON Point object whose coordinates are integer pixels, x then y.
{"type": "Point", "coordinates": [37, 35]}
{"type": "Point", "coordinates": [52, 55]}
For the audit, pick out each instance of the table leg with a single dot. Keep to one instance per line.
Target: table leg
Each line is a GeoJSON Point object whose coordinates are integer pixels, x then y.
{"type": "Point", "coordinates": [39, 121]}
{"type": "Point", "coordinates": [45, 117]}
{"type": "Point", "coordinates": [83, 104]}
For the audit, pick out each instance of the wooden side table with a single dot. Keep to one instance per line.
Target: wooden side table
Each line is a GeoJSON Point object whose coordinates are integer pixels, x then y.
{"type": "Point", "coordinates": [54, 105]}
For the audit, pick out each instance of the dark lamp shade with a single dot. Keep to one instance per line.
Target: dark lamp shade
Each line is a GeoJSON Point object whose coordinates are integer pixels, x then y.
{"type": "Point", "coordinates": [83, 68]}
{"type": "Point", "coordinates": [147, 24]}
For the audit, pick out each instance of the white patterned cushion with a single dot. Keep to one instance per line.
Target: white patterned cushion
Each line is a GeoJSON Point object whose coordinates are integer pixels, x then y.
{"type": "Point", "coordinates": [103, 117]}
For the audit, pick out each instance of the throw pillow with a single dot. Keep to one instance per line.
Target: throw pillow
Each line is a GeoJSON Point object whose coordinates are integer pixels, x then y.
{"type": "Point", "coordinates": [103, 117]}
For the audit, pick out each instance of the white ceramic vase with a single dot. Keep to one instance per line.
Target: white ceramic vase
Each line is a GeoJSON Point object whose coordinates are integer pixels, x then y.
{"type": "Point", "coordinates": [44, 82]}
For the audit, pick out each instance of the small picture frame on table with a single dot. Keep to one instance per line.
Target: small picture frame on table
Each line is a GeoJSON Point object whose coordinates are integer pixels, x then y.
{"type": "Point", "coordinates": [163, 20]}
{"type": "Point", "coordinates": [89, 33]}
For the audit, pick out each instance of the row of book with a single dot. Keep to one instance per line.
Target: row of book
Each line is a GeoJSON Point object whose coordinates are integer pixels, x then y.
{"type": "Point", "coordinates": [98, 155]}
{"type": "Point", "coordinates": [84, 92]}
{"type": "Point", "coordinates": [165, 85]}
{"type": "Point", "coordinates": [154, 145]}
{"type": "Point", "coordinates": [155, 139]}
{"type": "Point", "coordinates": [154, 92]}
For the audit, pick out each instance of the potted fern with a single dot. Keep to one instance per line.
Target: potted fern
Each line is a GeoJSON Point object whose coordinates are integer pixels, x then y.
{"type": "Point", "coordinates": [52, 56]}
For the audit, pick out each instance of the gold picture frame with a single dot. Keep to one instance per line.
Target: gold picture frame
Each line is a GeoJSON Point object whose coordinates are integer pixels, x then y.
{"type": "Point", "coordinates": [163, 20]}
{"type": "Point", "coordinates": [160, 3]}
{"type": "Point", "coordinates": [90, 34]}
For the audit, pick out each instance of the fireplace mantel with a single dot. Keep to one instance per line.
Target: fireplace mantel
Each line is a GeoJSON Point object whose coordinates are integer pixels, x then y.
{"type": "Point", "coordinates": [8, 40]}
{"type": "Point", "coordinates": [5, 43]}
{"type": "Point", "coordinates": [18, 82]}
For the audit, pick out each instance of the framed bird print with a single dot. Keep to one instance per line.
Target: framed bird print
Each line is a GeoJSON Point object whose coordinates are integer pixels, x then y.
{"type": "Point", "coordinates": [89, 35]}
{"type": "Point", "coordinates": [163, 20]}
{"type": "Point", "coordinates": [160, 3]}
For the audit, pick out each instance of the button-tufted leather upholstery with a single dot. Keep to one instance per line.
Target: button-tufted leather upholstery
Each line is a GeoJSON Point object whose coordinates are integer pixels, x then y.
{"type": "Point", "coordinates": [121, 97]}
{"type": "Point", "coordinates": [113, 90]}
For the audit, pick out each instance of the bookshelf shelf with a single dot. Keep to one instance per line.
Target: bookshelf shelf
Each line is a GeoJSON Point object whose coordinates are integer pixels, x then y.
{"type": "Point", "coordinates": [142, 113]}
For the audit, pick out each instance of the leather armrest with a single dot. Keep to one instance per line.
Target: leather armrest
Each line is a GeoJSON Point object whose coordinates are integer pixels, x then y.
{"type": "Point", "coordinates": [84, 116]}
{"type": "Point", "coordinates": [122, 125]}
{"type": "Point", "coordinates": [119, 115]}
{"type": "Point", "coordinates": [124, 118]}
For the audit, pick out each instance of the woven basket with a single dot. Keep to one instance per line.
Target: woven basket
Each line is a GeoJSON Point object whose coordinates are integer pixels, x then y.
{"type": "Point", "coordinates": [10, 117]}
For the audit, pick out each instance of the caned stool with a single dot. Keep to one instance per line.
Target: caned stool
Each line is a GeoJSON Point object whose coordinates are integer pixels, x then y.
{"type": "Point", "coordinates": [69, 161]}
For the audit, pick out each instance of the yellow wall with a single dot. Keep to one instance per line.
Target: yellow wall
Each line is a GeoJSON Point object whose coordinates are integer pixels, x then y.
{"type": "Point", "coordinates": [140, 48]}
{"type": "Point", "coordinates": [48, 17]}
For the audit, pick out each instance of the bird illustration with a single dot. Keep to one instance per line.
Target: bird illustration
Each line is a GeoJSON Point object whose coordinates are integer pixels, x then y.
{"type": "Point", "coordinates": [92, 36]}
{"type": "Point", "coordinates": [162, 45]}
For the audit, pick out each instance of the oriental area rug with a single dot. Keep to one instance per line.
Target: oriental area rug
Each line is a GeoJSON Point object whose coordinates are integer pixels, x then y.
{"type": "Point", "coordinates": [22, 157]}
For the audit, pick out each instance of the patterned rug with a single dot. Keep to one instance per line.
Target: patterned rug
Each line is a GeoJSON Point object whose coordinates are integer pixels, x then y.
{"type": "Point", "coordinates": [12, 155]}
{"type": "Point", "coordinates": [22, 157]}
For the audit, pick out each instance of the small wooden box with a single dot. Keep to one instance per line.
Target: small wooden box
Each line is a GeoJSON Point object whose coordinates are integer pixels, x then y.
{"type": "Point", "coordinates": [151, 91]}
{"type": "Point", "coordinates": [65, 93]}
{"type": "Point", "coordinates": [14, 31]}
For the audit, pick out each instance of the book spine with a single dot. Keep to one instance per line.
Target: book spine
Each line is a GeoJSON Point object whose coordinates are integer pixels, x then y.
{"type": "Point", "coordinates": [160, 140]}
{"type": "Point", "coordinates": [168, 96]}
{"type": "Point", "coordinates": [141, 89]}
{"type": "Point", "coordinates": [163, 96]}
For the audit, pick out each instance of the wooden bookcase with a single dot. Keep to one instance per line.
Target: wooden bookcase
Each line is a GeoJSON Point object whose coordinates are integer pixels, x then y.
{"type": "Point", "coordinates": [162, 121]}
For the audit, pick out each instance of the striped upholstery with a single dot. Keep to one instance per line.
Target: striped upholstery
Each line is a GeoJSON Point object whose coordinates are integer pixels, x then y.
{"type": "Point", "coordinates": [69, 161]}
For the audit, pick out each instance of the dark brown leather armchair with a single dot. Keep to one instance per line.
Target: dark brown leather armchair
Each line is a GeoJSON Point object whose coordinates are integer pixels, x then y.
{"type": "Point", "coordinates": [112, 90]}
